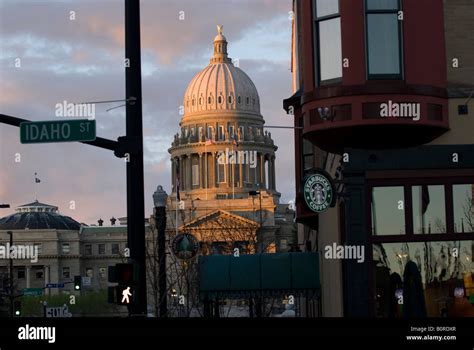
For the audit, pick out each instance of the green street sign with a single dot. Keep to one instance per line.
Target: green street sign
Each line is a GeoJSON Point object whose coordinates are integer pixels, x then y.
{"type": "Point", "coordinates": [32, 291]}
{"type": "Point", "coordinates": [57, 131]}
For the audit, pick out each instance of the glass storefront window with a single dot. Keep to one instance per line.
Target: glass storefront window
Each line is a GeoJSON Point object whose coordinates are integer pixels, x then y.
{"type": "Point", "coordinates": [429, 213]}
{"type": "Point", "coordinates": [433, 279]}
{"type": "Point", "coordinates": [388, 211]}
{"type": "Point", "coordinates": [463, 207]}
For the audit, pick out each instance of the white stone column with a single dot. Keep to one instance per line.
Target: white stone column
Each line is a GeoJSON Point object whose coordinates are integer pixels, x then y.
{"type": "Point", "coordinates": [241, 174]}
{"type": "Point", "coordinates": [188, 172]}
{"type": "Point", "coordinates": [273, 173]}
{"type": "Point", "coordinates": [200, 172]}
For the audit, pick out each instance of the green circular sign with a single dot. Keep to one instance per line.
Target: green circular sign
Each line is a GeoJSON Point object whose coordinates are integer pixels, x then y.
{"type": "Point", "coordinates": [185, 246]}
{"type": "Point", "coordinates": [318, 193]}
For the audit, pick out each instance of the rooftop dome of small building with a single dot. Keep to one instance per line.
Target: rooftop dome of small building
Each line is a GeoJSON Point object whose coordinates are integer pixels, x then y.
{"type": "Point", "coordinates": [221, 86]}
{"type": "Point", "coordinates": [38, 216]}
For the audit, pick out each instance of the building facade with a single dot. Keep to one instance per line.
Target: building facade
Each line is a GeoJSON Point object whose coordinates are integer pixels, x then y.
{"type": "Point", "coordinates": [382, 94]}
{"type": "Point", "coordinates": [65, 249]}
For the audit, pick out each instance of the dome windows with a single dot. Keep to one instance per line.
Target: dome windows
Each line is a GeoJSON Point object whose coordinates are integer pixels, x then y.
{"type": "Point", "coordinates": [239, 100]}
{"type": "Point", "coordinates": [230, 99]}
{"type": "Point", "coordinates": [200, 100]}
{"type": "Point", "coordinates": [219, 99]}
{"type": "Point", "coordinates": [247, 100]}
{"type": "Point", "coordinates": [209, 100]}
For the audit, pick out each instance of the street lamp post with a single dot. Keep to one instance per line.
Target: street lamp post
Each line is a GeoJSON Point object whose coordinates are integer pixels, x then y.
{"type": "Point", "coordinates": [159, 199]}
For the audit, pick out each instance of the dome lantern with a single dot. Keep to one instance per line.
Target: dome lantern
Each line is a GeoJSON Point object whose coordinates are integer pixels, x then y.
{"type": "Point", "coordinates": [220, 48]}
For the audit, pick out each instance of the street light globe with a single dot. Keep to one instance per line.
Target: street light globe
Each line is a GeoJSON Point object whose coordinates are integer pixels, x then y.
{"type": "Point", "coordinates": [159, 197]}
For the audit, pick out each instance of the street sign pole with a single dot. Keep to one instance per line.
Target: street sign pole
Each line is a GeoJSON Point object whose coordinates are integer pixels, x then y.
{"type": "Point", "coordinates": [134, 140]}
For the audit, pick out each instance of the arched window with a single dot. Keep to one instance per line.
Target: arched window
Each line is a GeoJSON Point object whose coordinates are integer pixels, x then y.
{"type": "Point", "coordinates": [239, 100]}
{"type": "Point", "coordinates": [193, 101]}
{"type": "Point", "coordinates": [209, 100]}
{"type": "Point", "coordinates": [230, 99]}
{"type": "Point", "coordinates": [200, 100]}
{"type": "Point", "coordinates": [247, 100]}
{"type": "Point", "coordinates": [219, 99]}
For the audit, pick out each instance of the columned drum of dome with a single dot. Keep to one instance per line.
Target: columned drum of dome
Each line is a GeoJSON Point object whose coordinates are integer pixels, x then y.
{"type": "Point", "coordinates": [222, 150]}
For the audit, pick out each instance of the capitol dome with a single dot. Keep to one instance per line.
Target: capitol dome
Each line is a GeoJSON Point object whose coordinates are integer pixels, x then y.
{"type": "Point", "coordinates": [38, 216]}
{"type": "Point", "coordinates": [222, 150]}
{"type": "Point", "coordinates": [221, 86]}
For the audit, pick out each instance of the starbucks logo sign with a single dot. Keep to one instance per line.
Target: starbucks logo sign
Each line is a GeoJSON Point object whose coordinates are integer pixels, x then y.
{"type": "Point", "coordinates": [318, 192]}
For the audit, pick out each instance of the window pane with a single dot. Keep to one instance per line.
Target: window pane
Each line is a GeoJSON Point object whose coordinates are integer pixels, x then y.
{"type": "Point", "coordinates": [326, 7]}
{"type": "Point", "coordinates": [424, 279]}
{"type": "Point", "coordinates": [65, 248]}
{"type": "Point", "coordinates": [429, 215]}
{"type": "Point", "coordinates": [463, 205]}
{"type": "Point", "coordinates": [330, 54]}
{"type": "Point", "coordinates": [388, 214]}
{"type": "Point", "coordinates": [382, 4]}
{"type": "Point", "coordinates": [101, 249]}
{"type": "Point", "coordinates": [195, 175]}
{"type": "Point", "coordinates": [383, 44]}
{"type": "Point", "coordinates": [221, 173]}
{"type": "Point", "coordinates": [115, 248]}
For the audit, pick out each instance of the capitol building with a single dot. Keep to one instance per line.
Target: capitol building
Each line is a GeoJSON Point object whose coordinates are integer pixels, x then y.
{"type": "Point", "coordinates": [223, 162]}
{"type": "Point", "coordinates": [224, 194]}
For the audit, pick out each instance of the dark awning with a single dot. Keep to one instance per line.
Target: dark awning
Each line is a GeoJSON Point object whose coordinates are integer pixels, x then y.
{"type": "Point", "coordinates": [226, 276]}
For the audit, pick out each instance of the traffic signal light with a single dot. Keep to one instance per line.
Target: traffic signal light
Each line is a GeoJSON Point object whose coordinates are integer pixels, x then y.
{"type": "Point", "coordinates": [126, 276]}
{"type": "Point", "coordinates": [77, 282]}
{"type": "Point", "coordinates": [17, 308]}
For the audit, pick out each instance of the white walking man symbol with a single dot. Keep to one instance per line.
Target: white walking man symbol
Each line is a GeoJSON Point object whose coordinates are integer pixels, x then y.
{"type": "Point", "coordinates": [125, 295]}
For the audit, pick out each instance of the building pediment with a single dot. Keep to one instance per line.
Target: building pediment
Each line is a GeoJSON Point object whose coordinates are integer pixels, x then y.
{"type": "Point", "coordinates": [221, 225]}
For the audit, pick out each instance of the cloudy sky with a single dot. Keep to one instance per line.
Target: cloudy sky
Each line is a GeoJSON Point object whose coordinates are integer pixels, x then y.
{"type": "Point", "coordinates": [82, 60]}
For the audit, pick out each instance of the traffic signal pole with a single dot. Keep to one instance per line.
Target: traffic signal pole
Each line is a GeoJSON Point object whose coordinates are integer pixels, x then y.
{"type": "Point", "coordinates": [134, 139]}
{"type": "Point", "coordinates": [130, 147]}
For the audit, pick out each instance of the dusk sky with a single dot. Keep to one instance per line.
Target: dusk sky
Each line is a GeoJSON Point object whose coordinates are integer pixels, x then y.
{"type": "Point", "coordinates": [82, 60]}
